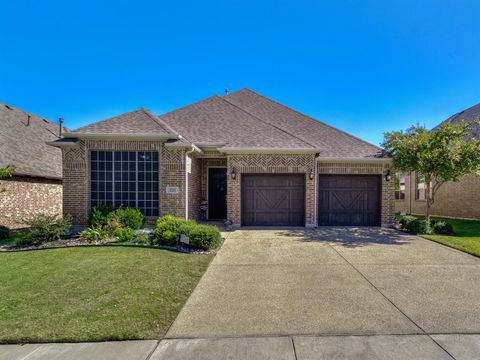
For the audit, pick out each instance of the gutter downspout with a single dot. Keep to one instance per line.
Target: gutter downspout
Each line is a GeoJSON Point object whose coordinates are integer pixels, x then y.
{"type": "Point", "coordinates": [187, 153]}
{"type": "Point", "coordinates": [315, 200]}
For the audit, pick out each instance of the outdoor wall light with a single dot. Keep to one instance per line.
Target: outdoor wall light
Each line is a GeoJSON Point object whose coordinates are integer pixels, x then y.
{"type": "Point", "coordinates": [388, 177]}
{"type": "Point", "coordinates": [311, 175]}
{"type": "Point", "coordinates": [234, 174]}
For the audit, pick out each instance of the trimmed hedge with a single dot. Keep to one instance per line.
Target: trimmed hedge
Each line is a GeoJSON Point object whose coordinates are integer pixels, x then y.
{"type": "Point", "coordinates": [443, 228]}
{"type": "Point", "coordinates": [169, 228]}
{"type": "Point", "coordinates": [417, 225]}
{"type": "Point", "coordinates": [204, 237]}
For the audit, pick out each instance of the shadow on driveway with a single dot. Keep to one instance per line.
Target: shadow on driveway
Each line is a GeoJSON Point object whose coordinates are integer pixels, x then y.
{"type": "Point", "coordinates": [343, 235]}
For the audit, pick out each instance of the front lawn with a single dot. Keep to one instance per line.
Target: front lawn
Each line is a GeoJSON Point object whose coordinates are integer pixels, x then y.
{"type": "Point", "coordinates": [466, 237]}
{"type": "Point", "coordinates": [94, 293]}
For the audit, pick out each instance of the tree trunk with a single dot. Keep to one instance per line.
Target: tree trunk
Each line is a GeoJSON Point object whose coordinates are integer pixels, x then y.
{"type": "Point", "coordinates": [428, 201]}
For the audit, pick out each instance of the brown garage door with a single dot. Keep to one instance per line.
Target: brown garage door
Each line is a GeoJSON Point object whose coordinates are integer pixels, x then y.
{"type": "Point", "coordinates": [273, 200]}
{"type": "Point", "coordinates": [349, 200]}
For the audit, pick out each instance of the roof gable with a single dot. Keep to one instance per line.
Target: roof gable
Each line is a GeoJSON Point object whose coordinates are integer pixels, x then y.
{"type": "Point", "coordinates": [135, 122]}
{"type": "Point", "coordinates": [24, 145]}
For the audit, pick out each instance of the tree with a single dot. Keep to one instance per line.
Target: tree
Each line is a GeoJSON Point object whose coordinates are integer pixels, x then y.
{"type": "Point", "coordinates": [444, 154]}
{"type": "Point", "coordinates": [5, 173]}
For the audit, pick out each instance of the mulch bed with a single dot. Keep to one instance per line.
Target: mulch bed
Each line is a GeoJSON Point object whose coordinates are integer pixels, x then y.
{"type": "Point", "coordinates": [76, 242]}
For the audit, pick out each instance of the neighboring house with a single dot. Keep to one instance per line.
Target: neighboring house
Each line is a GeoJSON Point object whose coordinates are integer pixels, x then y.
{"type": "Point", "coordinates": [454, 199]}
{"type": "Point", "coordinates": [36, 186]}
{"type": "Point", "coordinates": [253, 160]}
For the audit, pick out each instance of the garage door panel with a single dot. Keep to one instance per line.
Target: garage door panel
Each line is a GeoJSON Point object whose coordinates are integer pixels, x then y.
{"type": "Point", "coordinates": [273, 200]}
{"type": "Point", "coordinates": [348, 200]}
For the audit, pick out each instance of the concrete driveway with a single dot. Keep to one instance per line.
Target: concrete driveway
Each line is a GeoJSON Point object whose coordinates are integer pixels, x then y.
{"type": "Point", "coordinates": [332, 281]}
{"type": "Point", "coordinates": [331, 293]}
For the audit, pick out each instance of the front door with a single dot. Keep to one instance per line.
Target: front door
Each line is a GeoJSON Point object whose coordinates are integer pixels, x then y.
{"type": "Point", "coordinates": [217, 193]}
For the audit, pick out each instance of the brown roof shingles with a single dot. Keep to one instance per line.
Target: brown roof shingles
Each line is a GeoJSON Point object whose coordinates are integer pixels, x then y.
{"type": "Point", "coordinates": [240, 120]}
{"type": "Point", "coordinates": [333, 142]}
{"type": "Point", "coordinates": [467, 115]}
{"type": "Point", "coordinates": [135, 122]}
{"type": "Point", "coordinates": [25, 145]}
{"type": "Point", "coordinates": [217, 120]}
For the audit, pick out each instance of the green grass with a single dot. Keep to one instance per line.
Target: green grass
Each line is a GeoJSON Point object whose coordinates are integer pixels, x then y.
{"type": "Point", "coordinates": [466, 237]}
{"type": "Point", "coordinates": [94, 293]}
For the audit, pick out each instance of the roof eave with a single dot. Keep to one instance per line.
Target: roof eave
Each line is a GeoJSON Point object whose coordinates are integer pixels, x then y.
{"type": "Point", "coordinates": [61, 144]}
{"type": "Point", "coordinates": [359, 160]}
{"type": "Point", "coordinates": [37, 176]}
{"type": "Point", "coordinates": [80, 135]}
{"type": "Point", "coordinates": [189, 147]}
{"type": "Point", "coordinates": [269, 150]}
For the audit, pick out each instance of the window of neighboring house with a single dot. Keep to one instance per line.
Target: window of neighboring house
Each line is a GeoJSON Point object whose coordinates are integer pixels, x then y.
{"type": "Point", "coordinates": [125, 179]}
{"type": "Point", "coordinates": [420, 187]}
{"type": "Point", "coordinates": [400, 186]}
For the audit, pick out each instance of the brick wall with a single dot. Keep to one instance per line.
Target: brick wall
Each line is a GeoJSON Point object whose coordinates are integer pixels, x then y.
{"type": "Point", "coordinates": [25, 197]}
{"type": "Point", "coordinates": [388, 187]}
{"type": "Point", "coordinates": [454, 199]}
{"type": "Point", "coordinates": [264, 164]}
{"type": "Point", "coordinates": [76, 175]}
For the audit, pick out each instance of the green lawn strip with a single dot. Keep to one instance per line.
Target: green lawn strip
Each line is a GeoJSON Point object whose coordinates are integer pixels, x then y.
{"type": "Point", "coordinates": [466, 237]}
{"type": "Point", "coordinates": [470, 245]}
{"type": "Point", "coordinates": [94, 293]}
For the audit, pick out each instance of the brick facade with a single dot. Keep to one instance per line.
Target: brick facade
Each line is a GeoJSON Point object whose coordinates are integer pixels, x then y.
{"type": "Point", "coordinates": [453, 199]}
{"type": "Point", "coordinates": [269, 164]}
{"type": "Point", "coordinates": [25, 197]}
{"type": "Point", "coordinates": [76, 175]}
{"type": "Point", "coordinates": [388, 187]}
{"type": "Point", "coordinates": [179, 169]}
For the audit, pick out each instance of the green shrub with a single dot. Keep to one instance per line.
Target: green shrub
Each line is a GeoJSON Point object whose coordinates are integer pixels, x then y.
{"type": "Point", "coordinates": [4, 232]}
{"type": "Point", "coordinates": [131, 218]}
{"type": "Point", "coordinates": [442, 228]}
{"type": "Point", "coordinates": [406, 219]}
{"type": "Point", "coordinates": [113, 223]}
{"type": "Point", "coordinates": [204, 237]}
{"type": "Point", "coordinates": [125, 234]}
{"type": "Point", "coordinates": [98, 216]}
{"type": "Point", "coordinates": [169, 237]}
{"type": "Point", "coordinates": [93, 234]}
{"type": "Point", "coordinates": [417, 226]}
{"type": "Point", "coordinates": [166, 218]}
{"type": "Point", "coordinates": [44, 228]}
{"type": "Point", "coordinates": [23, 241]}
{"type": "Point", "coordinates": [169, 229]}
{"type": "Point", "coordinates": [143, 238]}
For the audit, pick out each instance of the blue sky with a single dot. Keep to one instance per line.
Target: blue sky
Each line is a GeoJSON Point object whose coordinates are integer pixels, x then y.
{"type": "Point", "coordinates": [364, 66]}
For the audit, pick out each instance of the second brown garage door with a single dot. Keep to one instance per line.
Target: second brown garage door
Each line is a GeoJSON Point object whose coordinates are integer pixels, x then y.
{"type": "Point", "coordinates": [349, 200]}
{"type": "Point", "coordinates": [273, 200]}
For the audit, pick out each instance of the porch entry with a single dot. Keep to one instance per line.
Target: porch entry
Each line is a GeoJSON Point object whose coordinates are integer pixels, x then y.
{"type": "Point", "coordinates": [217, 193]}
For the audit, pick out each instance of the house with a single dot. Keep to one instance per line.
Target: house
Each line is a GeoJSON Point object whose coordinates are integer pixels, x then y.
{"type": "Point", "coordinates": [36, 186]}
{"type": "Point", "coordinates": [459, 199]}
{"type": "Point", "coordinates": [252, 160]}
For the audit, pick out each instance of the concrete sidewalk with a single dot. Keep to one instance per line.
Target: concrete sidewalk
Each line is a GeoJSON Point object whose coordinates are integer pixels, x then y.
{"type": "Point", "coordinates": [393, 347]}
